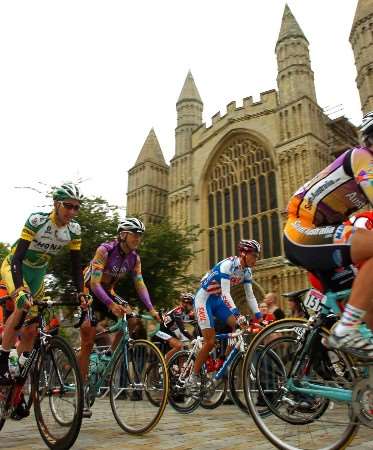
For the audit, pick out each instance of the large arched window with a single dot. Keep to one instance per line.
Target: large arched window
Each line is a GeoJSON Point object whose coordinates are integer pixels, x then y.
{"type": "Point", "coordinates": [242, 198]}
{"type": "Point", "coordinates": [227, 205]}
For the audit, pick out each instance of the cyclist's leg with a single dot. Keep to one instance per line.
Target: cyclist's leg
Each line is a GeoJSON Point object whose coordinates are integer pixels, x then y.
{"type": "Point", "coordinates": [174, 343]}
{"type": "Point", "coordinates": [35, 280]}
{"type": "Point", "coordinates": [10, 333]}
{"type": "Point", "coordinates": [87, 339]}
{"type": "Point", "coordinates": [204, 312]}
{"type": "Point", "coordinates": [362, 250]}
{"type": "Point", "coordinates": [346, 334]}
{"type": "Point", "coordinates": [335, 247]}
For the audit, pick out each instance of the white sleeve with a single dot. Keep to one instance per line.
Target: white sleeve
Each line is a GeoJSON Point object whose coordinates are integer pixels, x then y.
{"type": "Point", "coordinates": [250, 298]}
{"type": "Point", "coordinates": [226, 294]}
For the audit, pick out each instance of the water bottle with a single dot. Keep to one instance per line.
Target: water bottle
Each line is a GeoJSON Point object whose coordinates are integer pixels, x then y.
{"type": "Point", "coordinates": [13, 363]}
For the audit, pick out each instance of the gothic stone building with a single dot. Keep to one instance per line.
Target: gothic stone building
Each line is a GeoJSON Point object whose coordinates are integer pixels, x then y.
{"type": "Point", "coordinates": [234, 178]}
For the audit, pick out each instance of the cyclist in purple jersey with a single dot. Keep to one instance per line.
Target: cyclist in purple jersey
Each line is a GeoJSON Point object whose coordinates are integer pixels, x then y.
{"type": "Point", "coordinates": [111, 262]}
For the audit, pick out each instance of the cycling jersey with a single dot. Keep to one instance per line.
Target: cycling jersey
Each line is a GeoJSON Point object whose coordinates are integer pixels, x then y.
{"type": "Point", "coordinates": [47, 238]}
{"type": "Point", "coordinates": [173, 325]}
{"type": "Point", "coordinates": [108, 266]}
{"type": "Point", "coordinates": [214, 298]}
{"type": "Point", "coordinates": [315, 235]}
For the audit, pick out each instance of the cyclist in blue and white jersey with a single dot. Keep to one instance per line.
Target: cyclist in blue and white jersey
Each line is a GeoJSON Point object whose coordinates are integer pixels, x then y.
{"type": "Point", "coordinates": [214, 299]}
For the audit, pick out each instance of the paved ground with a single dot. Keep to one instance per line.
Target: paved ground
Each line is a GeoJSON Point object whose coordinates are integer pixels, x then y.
{"type": "Point", "coordinates": [224, 428]}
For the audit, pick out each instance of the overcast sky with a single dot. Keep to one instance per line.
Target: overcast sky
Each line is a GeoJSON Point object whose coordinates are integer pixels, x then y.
{"type": "Point", "coordinates": [83, 82]}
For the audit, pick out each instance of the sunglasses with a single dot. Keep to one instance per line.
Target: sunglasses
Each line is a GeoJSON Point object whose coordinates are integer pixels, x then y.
{"type": "Point", "coordinates": [70, 206]}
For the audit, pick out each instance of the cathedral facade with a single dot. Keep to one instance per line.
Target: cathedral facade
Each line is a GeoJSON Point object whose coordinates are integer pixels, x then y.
{"type": "Point", "coordinates": [235, 177]}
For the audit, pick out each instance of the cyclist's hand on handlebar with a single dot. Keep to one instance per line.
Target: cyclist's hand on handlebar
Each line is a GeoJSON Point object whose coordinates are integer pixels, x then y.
{"type": "Point", "coordinates": [117, 310]}
{"type": "Point", "coordinates": [23, 298]}
{"type": "Point", "coordinates": [155, 315]}
{"type": "Point", "coordinates": [242, 321]}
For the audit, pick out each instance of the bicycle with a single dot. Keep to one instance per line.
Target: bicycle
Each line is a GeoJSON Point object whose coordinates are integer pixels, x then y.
{"type": "Point", "coordinates": [213, 383]}
{"type": "Point", "coordinates": [318, 397]}
{"type": "Point", "coordinates": [129, 380]}
{"type": "Point", "coordinates": [56, 384]}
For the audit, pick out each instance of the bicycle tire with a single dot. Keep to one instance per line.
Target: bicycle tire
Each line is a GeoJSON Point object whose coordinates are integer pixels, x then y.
{"type": "Point", "coordinates": [276, 432]}
{"type": "Point", "coordinates": [3, 401]}
{"type": "Point", "coordinates": [219, 394]}
{"type": "Point", "coordinates": [127, 392]}
{"type": "Point", "coordinates": [70, 393]}
{"type": "Point", "coordinates": [179, 398]}
{"type": "Point", "coordinates": [234, 381]}
{"type": "Point", "coordinates": [151, 377]}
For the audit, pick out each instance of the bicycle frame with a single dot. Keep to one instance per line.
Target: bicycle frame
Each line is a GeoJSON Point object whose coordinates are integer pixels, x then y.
{"type": "Point", "coordinates": [40, 344]}
{"type": "Point", "coordinates": [238, 346]}
{"type": "Point", "coordinates": [120, 325]}
{"type": "Point", "coordinates": [315, 322]}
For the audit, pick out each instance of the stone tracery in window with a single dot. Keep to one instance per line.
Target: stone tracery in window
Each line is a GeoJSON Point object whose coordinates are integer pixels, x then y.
{"type": "Point", "coordinates": [242, 196]}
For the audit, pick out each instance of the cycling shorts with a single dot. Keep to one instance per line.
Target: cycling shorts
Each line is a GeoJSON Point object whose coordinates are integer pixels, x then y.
{"type": "Point", "coordinates": [33, 278]}
{"type": "Point", "coordinates": [318, 248]}
{"type": "Point", "coordinates": [207, 307]}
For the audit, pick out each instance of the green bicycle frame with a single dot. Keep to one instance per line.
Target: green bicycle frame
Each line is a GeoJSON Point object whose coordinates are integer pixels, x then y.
{"type": "Point", "coordinates": [120, 325]}
{"type": "Point", "coordinates": [314, 389]}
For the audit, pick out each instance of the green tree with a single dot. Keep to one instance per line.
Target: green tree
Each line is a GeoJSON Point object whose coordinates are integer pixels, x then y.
{"type": "Point", "coordinates": [4, 250]}
{"type": "Point", "coordinates": [166, 255]}
{"type": "Point", "coordinates": [98, 221]}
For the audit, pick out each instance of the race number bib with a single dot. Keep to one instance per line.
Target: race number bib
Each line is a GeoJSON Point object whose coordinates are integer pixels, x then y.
{"type": "Point", "coordinates": [314, 299]}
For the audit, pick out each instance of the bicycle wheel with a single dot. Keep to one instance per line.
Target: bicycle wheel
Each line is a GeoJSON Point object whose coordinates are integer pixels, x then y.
{"type": "Point", "coordinates": [299, 421]}
{"type": "Point", "coordinates": [153, 380]}
{"type": "Point", "coordinates": [130, 387]}
{"type": "Point", "coordinates": [58, 395]}
{"type": "Point", "coordinates": [27, 390]}
{"type": "Point", "coordinates": [214, 392]}
{"type": "Point", "coordinates": [235, 383]}
{"type": "Point", "coordinates": [4, 402]}
{"type": "Point", "coordinates": [180, 367]}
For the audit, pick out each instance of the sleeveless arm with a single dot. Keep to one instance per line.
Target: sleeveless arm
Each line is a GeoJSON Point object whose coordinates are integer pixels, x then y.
{"type": "Point", "coordinates": [76, 269]}
{"type": "Point", "coordinates": [16, 264]}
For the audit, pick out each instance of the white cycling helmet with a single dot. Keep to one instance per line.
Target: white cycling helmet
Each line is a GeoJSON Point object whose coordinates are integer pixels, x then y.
{"type": "Point", "coordinates": [366, 126]}
{"type": "Point", "coordinates": [249, 245]}
{"type": "Point", "coordinates": [67, 191]}
{"type": "Point", "coordinates": [132, 225]}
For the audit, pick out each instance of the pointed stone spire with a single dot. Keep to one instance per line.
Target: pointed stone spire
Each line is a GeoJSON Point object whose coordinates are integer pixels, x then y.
{"type": "Point", "coordinates": [189, 91]}
{"type": "Point", "coordinates": [362, 46]}
{"type": "Point", "coordinates": [289, 27]}
{"type": "Point", "coordinates": [151, 150]}
{"type": "Point", "coordinates": [363, 10]}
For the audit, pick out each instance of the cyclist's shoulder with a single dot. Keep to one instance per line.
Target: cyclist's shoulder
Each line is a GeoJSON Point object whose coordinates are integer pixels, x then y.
{"type": "Point", "coordinates": [74, 228]}
{"type": "Point", "coordinates": [37, 219]}
{"type": "Point", "coordinates": [109, 246]}
{"type": "Point", "coordinates": [360, 156]}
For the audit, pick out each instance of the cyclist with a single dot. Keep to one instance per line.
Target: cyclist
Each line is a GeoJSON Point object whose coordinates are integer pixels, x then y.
{"type": "Point", "coordinates": [112, 261]}
{"type": "Point", "coordinates": [24, 269]}
{"type": "Point", "coordinates": [316, 238]}
{"type": "Point", "coordinates": [214, 299]}
{"type": "Point", "coordinates": [172, 328]}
